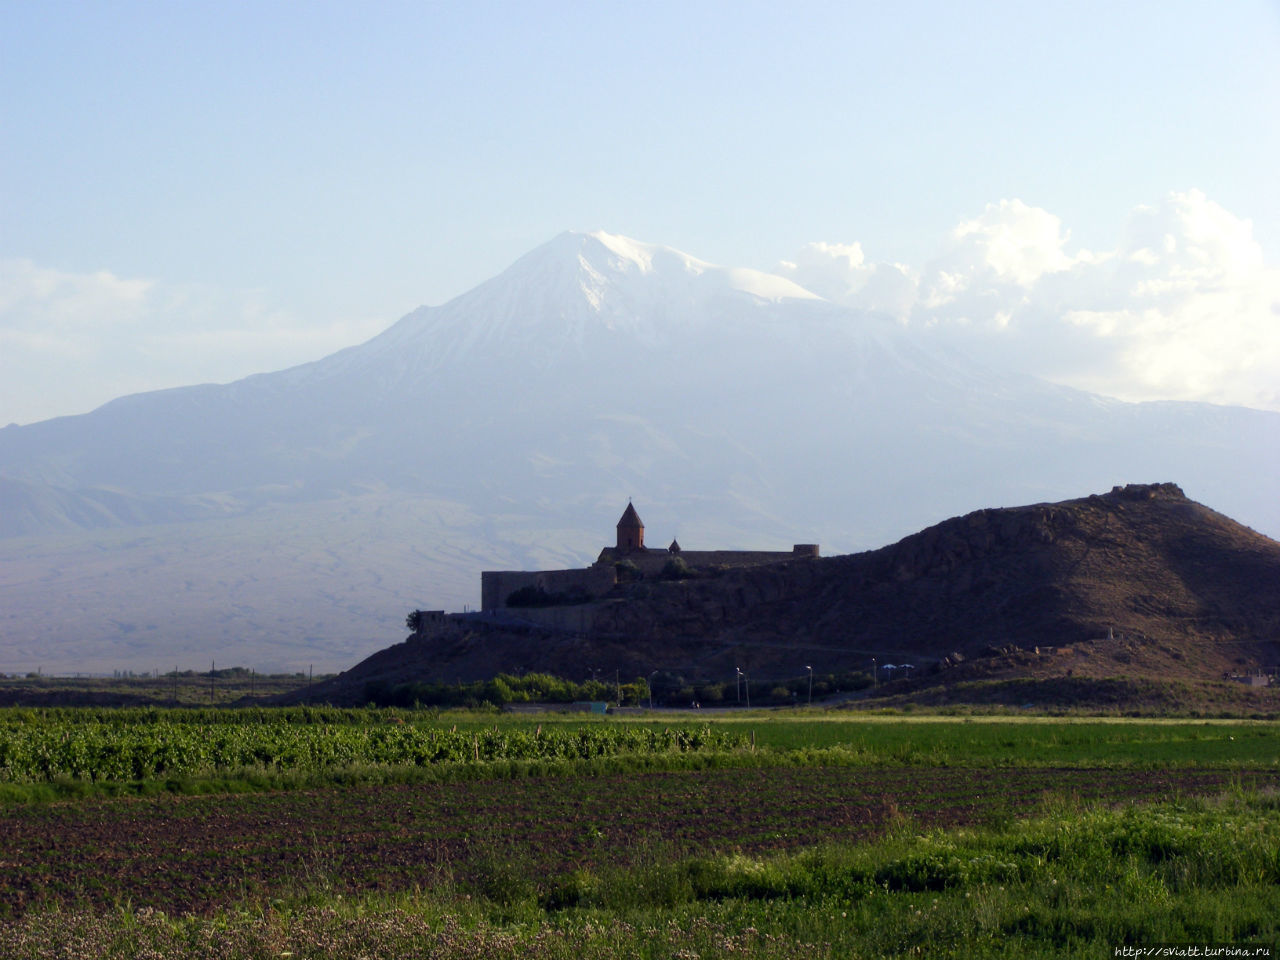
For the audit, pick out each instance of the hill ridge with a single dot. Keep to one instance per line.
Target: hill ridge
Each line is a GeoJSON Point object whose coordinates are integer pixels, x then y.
{"type": "Point", "coordinates": [1140, 581]}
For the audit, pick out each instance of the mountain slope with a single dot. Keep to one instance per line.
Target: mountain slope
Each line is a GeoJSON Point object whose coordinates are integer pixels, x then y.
{"type": "Point", "coordinates": [742, 410]}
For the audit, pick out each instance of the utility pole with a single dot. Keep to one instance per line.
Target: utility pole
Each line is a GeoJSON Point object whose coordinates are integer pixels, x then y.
{"type": "Point", "coordinates": [810, 669]}
{"type": "Point", "coordinates": [212, 666]}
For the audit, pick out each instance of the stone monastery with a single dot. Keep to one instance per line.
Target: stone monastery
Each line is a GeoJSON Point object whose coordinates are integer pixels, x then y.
{"type": "Point", "coordinates": [629, 558]}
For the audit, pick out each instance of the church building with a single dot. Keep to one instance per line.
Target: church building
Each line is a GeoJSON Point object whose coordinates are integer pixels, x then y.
{"type": "Point", "coordinates": [596, 581]}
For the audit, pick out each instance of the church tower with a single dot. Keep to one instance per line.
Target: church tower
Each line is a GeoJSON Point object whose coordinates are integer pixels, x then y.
{"type": "Point", "coordinates": [630, 531]}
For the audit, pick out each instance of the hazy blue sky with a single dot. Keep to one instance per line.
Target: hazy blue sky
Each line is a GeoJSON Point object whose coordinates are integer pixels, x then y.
{"type": "Point", "coordinates": [197, 191]}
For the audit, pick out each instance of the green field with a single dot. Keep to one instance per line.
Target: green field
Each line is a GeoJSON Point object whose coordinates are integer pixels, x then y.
{"type": "Point", "coordinates": [143, 747]}
{"type": "Point", "coordinates": [186, 688]}
{"type": "Point", "coordinates": [316, 832]}
{"type": "Point", "coordinates": [1032, 740]}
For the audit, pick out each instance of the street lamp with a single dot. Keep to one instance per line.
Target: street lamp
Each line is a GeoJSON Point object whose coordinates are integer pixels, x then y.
{"type": "Point", "coordinates": [875, 674]}
{"type": "Point", "coordinates": [649, 685]}
{"type": "Point", "coordinates": [737, 683]}
{"type": "Point", "coordinates": [810, 669]}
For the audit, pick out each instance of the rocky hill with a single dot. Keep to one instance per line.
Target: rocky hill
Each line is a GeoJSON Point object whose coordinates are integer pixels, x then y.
{"type": "Point", "coordinates": [1140, 582]}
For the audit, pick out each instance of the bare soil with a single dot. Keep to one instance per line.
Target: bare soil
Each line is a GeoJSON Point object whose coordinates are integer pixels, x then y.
{"type": "Point", "coordinates": [199, 854]}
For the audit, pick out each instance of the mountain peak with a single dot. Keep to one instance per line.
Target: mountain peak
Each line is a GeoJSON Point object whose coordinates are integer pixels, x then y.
{"type": "Point", "coordinates": [628, 251]}
{"type": "Point", "coordinates": [603, 260]}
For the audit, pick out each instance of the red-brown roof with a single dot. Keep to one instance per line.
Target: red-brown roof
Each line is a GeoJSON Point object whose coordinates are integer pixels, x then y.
{"type": "Point", "coordinates": [630, 518]}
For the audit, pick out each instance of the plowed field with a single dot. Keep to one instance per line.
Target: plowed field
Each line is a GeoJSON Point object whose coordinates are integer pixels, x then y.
{"type": "Point", "coordinates": [199, 854]}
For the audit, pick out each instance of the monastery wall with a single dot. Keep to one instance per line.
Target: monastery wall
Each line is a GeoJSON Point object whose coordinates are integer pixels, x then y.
{"type": "Point", "coordinates": [572, 618]}
{"type": "Point", "coordinates": [497, 585]}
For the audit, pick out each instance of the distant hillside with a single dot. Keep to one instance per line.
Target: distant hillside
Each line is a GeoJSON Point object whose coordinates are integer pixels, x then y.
{"type": "Point", "coordinates": [288, 520]}
{"type": "Point", "coordinates": [1140, 582]}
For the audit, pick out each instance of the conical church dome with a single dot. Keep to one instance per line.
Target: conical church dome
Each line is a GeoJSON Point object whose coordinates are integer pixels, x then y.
{"type": "Point", "coordinates": [630, 530]}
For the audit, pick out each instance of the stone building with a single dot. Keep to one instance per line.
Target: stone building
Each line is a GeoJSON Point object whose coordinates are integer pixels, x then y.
{"type": "Point", "coordinates": [595, 581]}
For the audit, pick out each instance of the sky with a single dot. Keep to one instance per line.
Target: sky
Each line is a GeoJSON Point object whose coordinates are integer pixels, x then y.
{"type": "Point", "coordinates": [199, 191]}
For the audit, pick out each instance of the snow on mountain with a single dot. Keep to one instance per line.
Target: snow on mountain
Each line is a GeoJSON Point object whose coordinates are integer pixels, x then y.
{"type": "Point", "coordinates": [563, 295]}
{"type": "Point", "coordinates": [505, 428]}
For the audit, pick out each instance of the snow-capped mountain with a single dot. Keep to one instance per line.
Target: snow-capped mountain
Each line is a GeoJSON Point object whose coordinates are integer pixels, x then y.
{"type": "Point", "coordinates": [508, 426]}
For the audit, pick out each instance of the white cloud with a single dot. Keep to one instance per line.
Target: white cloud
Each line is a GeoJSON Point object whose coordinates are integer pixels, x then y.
{"type": "Point", "coordinates": [1011, 241]}
{"type": "Point", "coordinates": [1184, 308]}
{"type": "Point", "coordinates": [72, 341]}
{"type": "Point", "coordinates": [839, 272]}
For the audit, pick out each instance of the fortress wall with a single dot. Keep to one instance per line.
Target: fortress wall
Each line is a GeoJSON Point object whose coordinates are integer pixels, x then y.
{"type": "Point", "coordinates": [575, 618]}
{"type": "Point", "coordinates": [733, 558]}
{"type": "Point", "coordinates": [497, 585]}
{"type": "Point", "coordinates": [738, 558]}
{"type": "Point", "coordinates": [651, 562]}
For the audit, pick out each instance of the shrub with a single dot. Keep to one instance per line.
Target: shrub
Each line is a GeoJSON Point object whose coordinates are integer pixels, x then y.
{"type": "Point", "coordinates": [676, 569]}
{"type": "Point", "coordinates": [626, 571]}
